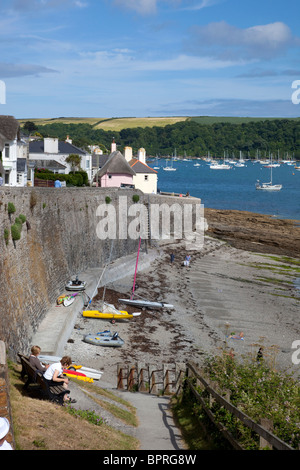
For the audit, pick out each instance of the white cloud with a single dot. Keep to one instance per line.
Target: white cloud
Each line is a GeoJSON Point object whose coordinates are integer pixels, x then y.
{"type": "Point", "coordinates": [140, 6]}
{"type": "Point", "coordinates": [226, 41]}
{"type": "Point", "coordinates": [146, 7]}
{"type": "Point", "coordinates": [193, 5]}
{"type": "Point", "coordinates": [20, 70]}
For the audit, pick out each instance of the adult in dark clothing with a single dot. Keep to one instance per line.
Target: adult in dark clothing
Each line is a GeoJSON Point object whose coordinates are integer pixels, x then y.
{"type": "Point", "coordinates": [34, 360]}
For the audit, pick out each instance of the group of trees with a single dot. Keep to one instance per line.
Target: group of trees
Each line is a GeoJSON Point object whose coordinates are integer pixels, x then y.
{"type": "Point", "coordinates": [190, 137]}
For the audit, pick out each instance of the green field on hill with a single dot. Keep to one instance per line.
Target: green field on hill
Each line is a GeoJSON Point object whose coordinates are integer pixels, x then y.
{"type": "Point", "coordinates": [117, 124]}
{"type": "Point", "coordinates": [110, 124]}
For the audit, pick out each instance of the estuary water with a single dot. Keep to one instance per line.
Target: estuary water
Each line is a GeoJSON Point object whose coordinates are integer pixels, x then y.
{"type": "Point", "coordinates": [235, 188]}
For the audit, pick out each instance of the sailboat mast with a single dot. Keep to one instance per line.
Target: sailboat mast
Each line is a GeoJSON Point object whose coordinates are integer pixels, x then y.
{"type": "Point", "coordinates": [96, 289]}
{"type": "Point", "coordinates": [136, 265]}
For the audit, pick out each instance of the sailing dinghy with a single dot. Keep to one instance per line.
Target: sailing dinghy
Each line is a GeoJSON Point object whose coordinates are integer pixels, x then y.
{"type": "Point", "coordinates": [108, 311]}
{"type": "Point", "coordinates": [141, 303]}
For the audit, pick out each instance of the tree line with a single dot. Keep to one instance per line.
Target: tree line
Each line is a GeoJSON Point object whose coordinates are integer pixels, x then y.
{"type": "Point", "coordinates": [190, 137]}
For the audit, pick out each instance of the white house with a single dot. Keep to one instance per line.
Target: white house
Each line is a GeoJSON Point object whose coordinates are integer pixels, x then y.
{"type": "Point", "coordinates": [52, 149]}
{"type": "Point", "coordinates": [13, 153]}
{"type": "Point", "coordinates": [145, 178]}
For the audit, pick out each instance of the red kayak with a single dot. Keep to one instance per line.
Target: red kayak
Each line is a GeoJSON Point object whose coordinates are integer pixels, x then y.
{"type": "Point", "coordinates": [73, 372]}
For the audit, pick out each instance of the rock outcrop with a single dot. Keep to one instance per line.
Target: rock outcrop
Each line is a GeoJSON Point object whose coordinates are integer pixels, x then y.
{"type": "Point", "coordinates": [255, 232]}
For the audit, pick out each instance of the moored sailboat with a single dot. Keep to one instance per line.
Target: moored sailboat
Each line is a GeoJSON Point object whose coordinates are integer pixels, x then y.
{"type": "Point", "coordinates": [268, 186]}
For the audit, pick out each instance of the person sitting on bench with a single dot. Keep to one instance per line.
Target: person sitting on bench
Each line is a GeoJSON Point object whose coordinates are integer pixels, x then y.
{"type": "Point", "coordinates": [54, 375]}
{"type": "Point", "coordinates": [34, 360]}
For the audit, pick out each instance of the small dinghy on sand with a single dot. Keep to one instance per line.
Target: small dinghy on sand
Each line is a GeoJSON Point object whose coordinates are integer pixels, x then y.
{"type": "Point", "coordinates": [75, 285]}
{"type": "Point", "coordinates": [111, 340]}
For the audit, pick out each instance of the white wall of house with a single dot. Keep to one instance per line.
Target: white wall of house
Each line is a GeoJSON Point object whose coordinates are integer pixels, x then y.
{"type": "Point", "coordinates": [146, 182]}
{"type": "Point", "coordinates": [51, 153]}
{"type": "Point", "coordinates": [11, 152]}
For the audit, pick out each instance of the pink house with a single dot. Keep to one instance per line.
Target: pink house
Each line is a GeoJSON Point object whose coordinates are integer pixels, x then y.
{"type": "Point", "coordinates": [116, 172]}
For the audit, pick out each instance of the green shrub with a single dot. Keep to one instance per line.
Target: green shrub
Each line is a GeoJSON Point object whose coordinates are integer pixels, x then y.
{"type": "Point", "coordinates": [79, 178]}
{"type": "Point", "coordinates": [6, 235]}
{"type": "Point", "coordinates": [11, 208]}
{"type": "Point", "coordinates": [107, 199]}
{"type": "Point", "coordinates": [135, 198]}
{"type": "Point", "coordinates": [15, 232]}
{"type": "Point", "coordinates": [22, 218]}
{"type": "Point", "coordinates": [261, 392]}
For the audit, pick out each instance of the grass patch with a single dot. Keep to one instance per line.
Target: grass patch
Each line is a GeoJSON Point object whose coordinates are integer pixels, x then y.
{"type": "Point", "coordinates": [282, 259]}
{"type": "Point", "coordinates": [272, 280]}
{"type": "Point", "coordinates": [195, 429]}
{"type": "Point", "coordinates": [42, 425]}
{"type": "Point", "coordinates": [125, 412]}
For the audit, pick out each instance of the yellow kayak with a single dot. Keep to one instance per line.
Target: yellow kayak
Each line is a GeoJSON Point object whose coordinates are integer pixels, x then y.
{"type": "Point", "coordinates": [77, 375]}
{"type": "Point", "coordinates": [112, 316]}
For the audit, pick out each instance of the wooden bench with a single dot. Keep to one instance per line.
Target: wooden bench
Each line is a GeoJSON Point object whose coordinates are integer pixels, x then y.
{"type": "Point", "coordinates": [54, 393]}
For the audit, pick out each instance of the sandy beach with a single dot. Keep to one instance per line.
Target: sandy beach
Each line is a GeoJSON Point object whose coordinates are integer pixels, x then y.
{"type": "Point", "coordinates": [224, 291]}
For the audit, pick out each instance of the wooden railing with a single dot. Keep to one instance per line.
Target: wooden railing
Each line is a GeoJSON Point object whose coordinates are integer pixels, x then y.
{"type": "Point", "coordinates": [267, 438]}
{"type": "Point", "coordinates": [179, 378]}
{"type": "Point", "coordinates": [165, 379]}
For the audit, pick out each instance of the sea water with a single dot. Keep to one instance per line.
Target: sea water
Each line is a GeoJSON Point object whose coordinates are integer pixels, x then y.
{"type": "Point", "coordinates": [235, 188]}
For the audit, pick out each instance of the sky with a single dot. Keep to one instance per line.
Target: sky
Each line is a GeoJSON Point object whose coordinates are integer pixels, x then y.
{"type": "Point", "coordinates": [140, 58]}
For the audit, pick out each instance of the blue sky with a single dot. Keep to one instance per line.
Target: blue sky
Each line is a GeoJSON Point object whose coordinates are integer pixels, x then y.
{"type": "Point", "coordinates": [113, 58]}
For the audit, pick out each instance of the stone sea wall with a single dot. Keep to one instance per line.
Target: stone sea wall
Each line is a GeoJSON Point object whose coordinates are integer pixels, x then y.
{"type": "Point", "coordinates": [58, 240]}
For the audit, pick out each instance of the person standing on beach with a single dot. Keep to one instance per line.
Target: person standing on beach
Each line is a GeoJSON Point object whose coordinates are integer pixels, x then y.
{"type": "Point", "coordinates": [187, 260]}
{"type": "Point", "coordinates": [259, 356]}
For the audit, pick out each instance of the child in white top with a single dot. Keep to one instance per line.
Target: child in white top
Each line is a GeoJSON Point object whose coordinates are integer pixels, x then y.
{"type": "Point", "coordinates": [54, 374]}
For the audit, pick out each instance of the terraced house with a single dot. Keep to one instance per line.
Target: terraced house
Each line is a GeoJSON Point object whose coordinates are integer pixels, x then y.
{"type": "Point", "coordinates": [13, 153]}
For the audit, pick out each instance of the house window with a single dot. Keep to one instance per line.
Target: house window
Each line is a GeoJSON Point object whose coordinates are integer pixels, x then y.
{"type": "Point", "coordinates": [109, 176]}
{"type": "Point", "coordinates": [146, 177]}
{"type": "Point", "coordinates": [6, 151]}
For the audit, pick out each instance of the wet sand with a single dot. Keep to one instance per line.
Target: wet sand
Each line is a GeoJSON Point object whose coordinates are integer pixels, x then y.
{"type": "Point", "coordinates": [225, 290]}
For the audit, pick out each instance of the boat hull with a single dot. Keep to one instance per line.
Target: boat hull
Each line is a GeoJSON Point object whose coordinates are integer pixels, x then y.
{"type": "Point", "coordinates": [108, 315]}
{"type": "Point", "coordinates": [145, 303]}
{"type": "Point", "coordinates": [68, 301]}
{"type": "Point", "coordinates": [75, 286]}
{"type": "Point", "coordinates": [78, 375]}
{"type": "Point", "coordinates": [266, 187]}
{"type": "Point", "coordinates": [104, 340]}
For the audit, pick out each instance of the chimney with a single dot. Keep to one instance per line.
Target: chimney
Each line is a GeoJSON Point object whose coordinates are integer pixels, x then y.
{"type": "Point", "coordinates": [142, 155]}
{"type": "Point", "coordinates": [50, 145]}
{"type": "Point", "coordinates": [113, 146]}
{"type": "Point", "coordinates": [128, 153]}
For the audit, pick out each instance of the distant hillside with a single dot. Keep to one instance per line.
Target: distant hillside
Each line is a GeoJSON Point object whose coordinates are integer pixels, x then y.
{"type": "Point", "coordinates": [109, 124]}
{"type": "Point", "coordinates": [117, 124]}
{"type": "Point", "coordinates": [195, 136]}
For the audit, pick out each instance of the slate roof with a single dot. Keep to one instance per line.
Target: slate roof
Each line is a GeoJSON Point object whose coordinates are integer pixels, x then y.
{"type": "Point", "coordinates": [65, 148]}
{"type": "Point", "coordinates": [99, 160]}
{"type": "Point", "coordinates": [140, 167]}
{"type": "Point", "coordinates": [49, 164]}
